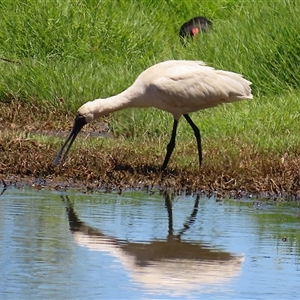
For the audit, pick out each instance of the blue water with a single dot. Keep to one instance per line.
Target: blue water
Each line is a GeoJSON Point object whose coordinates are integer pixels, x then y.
{"type": "Point", "coordinates": [137, 245]}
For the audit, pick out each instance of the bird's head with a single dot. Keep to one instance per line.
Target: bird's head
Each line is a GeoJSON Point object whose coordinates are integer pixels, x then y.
{"type": "Point", "coordinates": [85, 114]}
{"type": "Point", "coordinates": [194, 31]}
{"type": "Point", "coordinates": [86, 111]}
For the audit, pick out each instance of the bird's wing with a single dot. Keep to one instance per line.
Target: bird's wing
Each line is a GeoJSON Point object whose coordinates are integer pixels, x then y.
{"type": "Point", "coordinates": [178, 63]}
{"type": "Point", "coordinates": [194, 86]}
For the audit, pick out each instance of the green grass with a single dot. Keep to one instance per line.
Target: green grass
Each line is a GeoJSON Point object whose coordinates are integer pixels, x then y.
{"type": "Point", "coordinates": [69, 52]}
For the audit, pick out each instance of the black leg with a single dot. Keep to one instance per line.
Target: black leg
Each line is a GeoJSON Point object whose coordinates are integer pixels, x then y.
{"type": "Point", "coordinates": [192, 217]}
{"type": "Point", "coordinates": [168, 204]}
{"type": "Point", "coordinates": [171, 145]}
{"type": "Point", "coordinates": [197, 135]}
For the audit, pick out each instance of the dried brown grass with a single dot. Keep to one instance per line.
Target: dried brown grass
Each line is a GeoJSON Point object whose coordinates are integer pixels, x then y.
{"type": "Point", "coordinates": [134, 165]}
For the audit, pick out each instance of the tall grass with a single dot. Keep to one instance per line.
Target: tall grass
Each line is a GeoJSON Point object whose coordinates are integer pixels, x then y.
{"type": "Point", "coordinates": [68, 52]}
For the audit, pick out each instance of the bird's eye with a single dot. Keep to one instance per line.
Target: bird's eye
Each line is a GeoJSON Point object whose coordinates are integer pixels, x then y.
{"type": "Point", "coordinates": [79, 117]}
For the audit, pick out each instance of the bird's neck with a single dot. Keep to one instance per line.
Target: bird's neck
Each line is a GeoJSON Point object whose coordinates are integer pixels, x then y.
{"type": "Point", "coordinates": [128, 98]}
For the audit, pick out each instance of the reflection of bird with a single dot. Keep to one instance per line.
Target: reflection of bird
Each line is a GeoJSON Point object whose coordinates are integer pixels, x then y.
{"type": "Point", "coordinates": [171, 265]}
{"type": "Point", "coordinates": [194, 26]}
{"type": "Point", "coordinates": [176, 86]}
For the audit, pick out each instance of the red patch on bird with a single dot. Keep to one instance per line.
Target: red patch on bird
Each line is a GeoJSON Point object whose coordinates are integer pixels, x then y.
{"type": "Point", "coordinates": [194, 31]}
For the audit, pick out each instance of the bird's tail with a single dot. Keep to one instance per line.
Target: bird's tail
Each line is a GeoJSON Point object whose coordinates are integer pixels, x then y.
{"type": "Point", "coordinates": [237, 86]}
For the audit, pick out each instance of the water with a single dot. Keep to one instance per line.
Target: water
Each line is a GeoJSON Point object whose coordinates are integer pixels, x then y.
{"type": "Point", "coordinates": [138, 245]}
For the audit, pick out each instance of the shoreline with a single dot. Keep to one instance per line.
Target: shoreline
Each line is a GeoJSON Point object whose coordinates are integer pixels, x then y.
{"type": "Point", "coordinates": [27, 157]}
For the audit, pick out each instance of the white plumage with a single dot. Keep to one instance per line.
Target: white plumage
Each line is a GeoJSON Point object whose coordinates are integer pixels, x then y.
{"type": "Point", "coordinates": [176, 86]}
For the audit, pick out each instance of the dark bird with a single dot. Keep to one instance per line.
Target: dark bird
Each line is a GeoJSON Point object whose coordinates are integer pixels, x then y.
{"type": "Point", "coordinates": [194, 26]}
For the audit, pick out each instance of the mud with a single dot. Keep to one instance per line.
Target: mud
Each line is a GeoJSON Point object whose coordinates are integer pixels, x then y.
{"type": "Point", "coordinates": [27, 156]}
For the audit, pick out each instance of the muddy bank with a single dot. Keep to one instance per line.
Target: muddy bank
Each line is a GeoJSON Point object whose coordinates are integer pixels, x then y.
{"type": "Point", "coordinates": [27, 156]}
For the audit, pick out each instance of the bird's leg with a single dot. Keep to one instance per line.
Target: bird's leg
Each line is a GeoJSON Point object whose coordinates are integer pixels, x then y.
{"type": "Point", "coordinates": [197, 135]}
{"type": "Point", "coordinates": [168, 204]}
{"type": "Point", "coordinates": [171, 145]}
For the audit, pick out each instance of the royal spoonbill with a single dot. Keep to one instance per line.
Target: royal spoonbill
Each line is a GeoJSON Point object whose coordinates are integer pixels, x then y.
{"type": "Point", "coordinates": [176, 86]}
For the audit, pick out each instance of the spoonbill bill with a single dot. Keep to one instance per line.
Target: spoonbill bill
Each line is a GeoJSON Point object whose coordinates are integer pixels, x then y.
{"type": "Point", "coordinates": [176, 86]}
{"type": "Point", "coordinates": [195, 26]}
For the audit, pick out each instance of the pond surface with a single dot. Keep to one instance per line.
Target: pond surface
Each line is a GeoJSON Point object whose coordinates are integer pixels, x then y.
{"type": "Point", "coordinates": [139, 245]}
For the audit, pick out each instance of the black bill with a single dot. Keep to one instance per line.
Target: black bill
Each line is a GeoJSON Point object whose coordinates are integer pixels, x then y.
{"type": "Point", "coordinates": [78, 124]}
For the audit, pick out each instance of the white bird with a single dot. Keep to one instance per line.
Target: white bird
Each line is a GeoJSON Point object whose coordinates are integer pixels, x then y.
{"type": "Point", "coordinates": [176, 86]}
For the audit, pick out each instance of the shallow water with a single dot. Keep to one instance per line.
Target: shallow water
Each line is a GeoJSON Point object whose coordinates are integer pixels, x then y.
{"type": "Point", "coordinates": [142, 245]}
